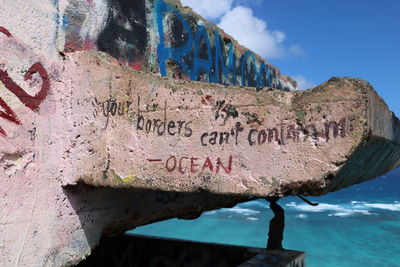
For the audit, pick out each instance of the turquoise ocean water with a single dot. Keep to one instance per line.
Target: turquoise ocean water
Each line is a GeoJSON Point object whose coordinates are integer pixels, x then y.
{"type": "Point", "coordinates": [357, 226]}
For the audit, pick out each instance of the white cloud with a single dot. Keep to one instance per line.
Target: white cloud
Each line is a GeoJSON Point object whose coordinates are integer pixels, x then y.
{"type": "Point", "coordinates": [210, 9]}
{"type": "Point", "coordinates": [248, 30]}
{"type": "Point", "coordinates": [253, 33]}
{"type": "Point", "coordinates": [297, 50]}
{"type": "Point", "coordinates": [302, 82]}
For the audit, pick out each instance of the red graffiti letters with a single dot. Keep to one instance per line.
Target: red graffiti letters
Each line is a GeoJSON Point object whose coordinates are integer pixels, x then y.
{"type": "Point", "coordinates": [32, 102]}
{"type": "Point", "coordinates": [5, 31]}
{"type": "Point", "coordinates": [7, 114]}
{"type": "Point", "coordinates": [195, 165]}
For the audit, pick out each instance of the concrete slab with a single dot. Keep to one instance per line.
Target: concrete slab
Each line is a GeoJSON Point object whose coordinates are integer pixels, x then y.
{"type": "Point", "coordinates": [137, 130]}
{"type": "Point", "coordinates": [85, 119]}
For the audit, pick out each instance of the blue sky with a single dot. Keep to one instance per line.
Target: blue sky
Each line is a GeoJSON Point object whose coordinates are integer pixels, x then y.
{"type": "Point", "coordinates": [314, 40]}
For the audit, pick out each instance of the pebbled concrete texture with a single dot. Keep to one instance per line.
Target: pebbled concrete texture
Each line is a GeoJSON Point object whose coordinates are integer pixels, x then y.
{"type": "Point", "coordinates": [91, 146]}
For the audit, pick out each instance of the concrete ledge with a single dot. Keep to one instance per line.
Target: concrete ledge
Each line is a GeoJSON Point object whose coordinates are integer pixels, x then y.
{"type": "Point", "coordinates": [275, 258]}
{"type": "Point", "coordinates": [138, 250]}
{"type": "Point", "coordinates": [224, 140]}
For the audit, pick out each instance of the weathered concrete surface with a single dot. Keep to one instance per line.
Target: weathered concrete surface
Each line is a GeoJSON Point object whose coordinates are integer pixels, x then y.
{"type": "Point", "coordinates": [75, 120]}
{"type": "Point", "coordinates": [88, 129]}
{"type": "Point", "coordinates": [145, 132]}
{"type": "Point", "coordinates": [41, 222]}
{"type": "Point", "coordinates": [158, 36]}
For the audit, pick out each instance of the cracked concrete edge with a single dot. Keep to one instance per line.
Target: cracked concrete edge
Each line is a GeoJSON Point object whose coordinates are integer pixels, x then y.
{"type": "Point", "coordinates": [379, 151]}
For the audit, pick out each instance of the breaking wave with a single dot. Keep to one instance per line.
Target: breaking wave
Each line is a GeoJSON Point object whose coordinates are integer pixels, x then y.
{"type": "Point", "coordinates": [348, 209]}
{"type": "Point", "coordinates": [242, 211]}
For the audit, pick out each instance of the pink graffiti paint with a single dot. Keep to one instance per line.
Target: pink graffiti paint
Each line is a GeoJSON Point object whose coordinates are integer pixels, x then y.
{"type": "Point", "coordinates": [136, 66]}
{"type": "Point", "coordinates": [89, 45]}
{"type": "Point", "coordinates": [91, 3]}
